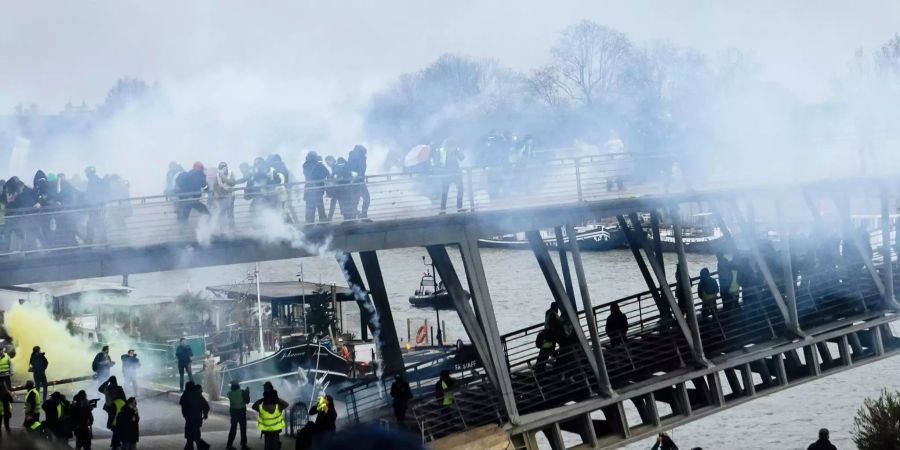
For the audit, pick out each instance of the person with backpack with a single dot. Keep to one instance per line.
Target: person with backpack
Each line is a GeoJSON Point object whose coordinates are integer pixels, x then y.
{"type": "Point", "coordinates": [56, 410]}
{"type": "Point", "coordinates": [102, 364]}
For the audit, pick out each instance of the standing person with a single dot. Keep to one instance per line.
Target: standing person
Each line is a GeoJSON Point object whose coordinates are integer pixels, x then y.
{"type": "Point", "coordinates": [210, 376]}
{"type": "Point", "coordinates": [402, 394]}
{"type": "Point", "coordinates": [326, 419]}
{"type": "Point", "coordinates": [195, 410]}
{"type": "Point", "coordinates": [130, 366]}
{"type": "Point", "coordinates": [56, 410]}
{"type": "Point", "coordinates": [664, 442]}
{"type": "Point", "coordinates": [315, 173]}
{"type": "Point", "coordinates": [616, 325]}
{"type": "Point", "coordinates": [223, 195]}
{"type": "Point", "coordinates": [37, 365]}
{"type": "Point", "coordinates": [329, 183]}
{"type": "Point", "coordinates": [707, 290]}
{"type": "Point", "coordinates": [276, 187]}
{"type": "Point", "coordinates": [270, 419]}
{"type": "Point", "coordinates": [191, 186]}
{"type": "Point", "coordinates": [823, 443]}
{"type": "Point", "coordinates": [6, 368]}
{"type": "Point", "coordinates": [6, 401]}
{"type": "Point", "coordinates": [82, 419]}
{"type": "Point", "coordinates": [356, 161]}
{"type": "Point", "coordinates": [447, 163]}
{"type": "Point", "coordinates": [32, 407]}
{"type": "Point", "coordinates": [127, 425]}
{"type": "Point", "coordinates": [95, 195]}
{"type": "Point", "coordinates": [615, 150]}
{"type": "Point", "coordinates": [183, 355]}
{"type": "Point", "coordinates": [443, 389]}
{"type": "Point", "coordinates": [175, 169]}
{"type": "Point", "coordinates": [343, 190]}
{"type": "Point", "coordinates": [237, 410]}
{"type": "Point", "coordinates": [102, 364]}
{"type": "Point", "coordinates": [109, 389]}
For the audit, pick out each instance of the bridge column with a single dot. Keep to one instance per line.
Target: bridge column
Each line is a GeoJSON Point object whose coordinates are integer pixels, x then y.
{"type": "Point", "coordinates": [888, 265]}
{"type": "Point", "coordinates": [353, 277]}
{"type": "Point", "coordinates": [636, 240]}
{"type": "Point", "coordinates": [481, 298]}
{"type": "Point", "coordinates": [789, 281]}
{"type": "Point", "coordinates": [390, 344]}
{"type": "Point", "coordinates": [746, 228]}
{"type": "Point", "coordinates": [685, 277]}
{"type": "Point", "coordinates": [566, 304]}
{"type": "Point", "coordinates": [588, 309]}
{"type": "Point", "coordinates": [634, 243]}
{"type": "Point", "coordinates": [444, 266]}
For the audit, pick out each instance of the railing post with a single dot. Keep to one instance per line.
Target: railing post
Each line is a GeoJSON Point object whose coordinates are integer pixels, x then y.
{"type": "Point", "coordinates": [470, 190]}
{"type": "Point", "coordinates": [578, 179]}
{"type": "Point", "coordinates": [887, 260]}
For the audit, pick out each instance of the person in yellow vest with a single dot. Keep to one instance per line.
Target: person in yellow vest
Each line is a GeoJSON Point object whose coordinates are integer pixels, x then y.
{"type": "Point", "coordinates": [708, 291]}
{"type": "Point", "coordinates": [118, 402]}
{"type": "Point", "coordinates": [270, 419]}
{"type": "Point", "coordinates": [6, 401]}
{"type": "Point", "coordinates": [444, 389]}
{"type": "Point", "coordinates": [6, 368]}
{"type": "Point", "coordinates": [56, 410]}
{"type": "Point", "coordinates": [32, 407]}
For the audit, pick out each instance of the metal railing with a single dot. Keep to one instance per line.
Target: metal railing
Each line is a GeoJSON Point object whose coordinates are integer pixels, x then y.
{"type": "Point", "coordinates": [153, 220]}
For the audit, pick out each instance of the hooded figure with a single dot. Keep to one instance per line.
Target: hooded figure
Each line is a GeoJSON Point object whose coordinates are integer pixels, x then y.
{"type": "Point", "coordinates": [315, 173]}
{"type": "Point", "coordinates": [195, 410]}
{"type": "Point", "coordinates": [191, 186]}
{"type": "Point", "coordinates": [356, 162]}
{"type": "Point", "coordinates": [707, 290]}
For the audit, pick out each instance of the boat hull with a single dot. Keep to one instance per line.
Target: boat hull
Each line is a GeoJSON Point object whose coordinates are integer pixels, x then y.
{"type": "Point", "coordinates": [598, 240]}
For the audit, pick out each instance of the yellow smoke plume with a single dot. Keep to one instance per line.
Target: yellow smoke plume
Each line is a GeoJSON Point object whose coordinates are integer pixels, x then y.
{"type": "Point", "coordinates": [69, 356]}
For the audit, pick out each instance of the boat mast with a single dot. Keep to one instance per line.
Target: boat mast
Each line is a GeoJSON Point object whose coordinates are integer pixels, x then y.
{"type": "Point", "coordinates": [259, 311]}
{"type": "Point", "coordinates": [303, 302]}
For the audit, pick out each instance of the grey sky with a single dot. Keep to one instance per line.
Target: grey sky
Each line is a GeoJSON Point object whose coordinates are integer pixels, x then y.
{"type": "Point", "coordinates": [56, 51]}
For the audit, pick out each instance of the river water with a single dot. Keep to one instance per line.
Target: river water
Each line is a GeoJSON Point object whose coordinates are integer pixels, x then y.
{"type": "Point", "coordinates": [788, 419]}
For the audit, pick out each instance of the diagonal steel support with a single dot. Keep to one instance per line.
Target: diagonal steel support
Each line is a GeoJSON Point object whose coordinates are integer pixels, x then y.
{"type": "Point", "coordinates": [788, 272]}
{"type": "Point", "coordinates": [390, 343]}
{"type": "Point", "coordinates": [844, 212]}
{"type": "Point", "coordinates": [444, 266]}
{"type": "Point", "coordinates": [481, 299]}
{"type": "Point", "coordinates": [354, 278]}
{"type": "Point", "coordinates": [564, 262]}
{"type": "Point", "coordinates": [764, 269]}
{"type": "Point", "coordinates": [662, 306]}
{"type": "Point", "coordinates": [635, 239]}
{"type": "Point", "coordinates": [684, 275]}
{"type": "Point", "coordinates": [562, 299]}
{"type": "Point", "coordinates": [588, 309]}
{"type": "Point", "coordinates": [888, 261]}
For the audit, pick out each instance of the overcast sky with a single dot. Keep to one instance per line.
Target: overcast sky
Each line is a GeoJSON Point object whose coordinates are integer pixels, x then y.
{"type": "Point", "coordinates": [59, 51]}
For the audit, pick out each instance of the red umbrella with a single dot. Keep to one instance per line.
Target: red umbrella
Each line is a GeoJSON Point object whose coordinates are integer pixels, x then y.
{"type": "Point", "coordinates": [418, 155]}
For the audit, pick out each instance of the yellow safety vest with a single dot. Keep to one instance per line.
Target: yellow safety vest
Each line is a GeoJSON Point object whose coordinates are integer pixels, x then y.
{"type": "Point", "coordinates": [119, 404]}
{"type": "Point", "coordinates": [448, 396]}
{"type": "Point", "coordinates": [269, 421]}
{"type": "Point", "coordinates": [735, 287]}
{"type": "Point", "coordinates": [59, 410]}
{"type": "Point", "coordinates": [35, 408]}
{"type": "Point", "coordinates": [4, 365]}
{"type": "Point", "coordinates": [3, 410]}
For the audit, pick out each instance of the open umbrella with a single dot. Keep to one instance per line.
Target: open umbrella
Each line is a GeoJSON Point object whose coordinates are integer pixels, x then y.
{"type": "Point", "coordinates": [418, 155]}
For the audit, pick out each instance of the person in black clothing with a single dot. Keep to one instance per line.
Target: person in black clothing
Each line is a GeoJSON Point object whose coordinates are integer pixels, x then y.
{"type": "Point", "coordinates": [195, 410]}
{"type": "Point", "coordinates": [95, 195]}
{"type": "Point", "coordinates": [356, 162]}
{"type": "Point", "coordinates": [823, 443]}
{"type": "Point", "coordinates": [320, 431]}
{"type": "Point", "coordinates": [109, 389]}
{"type": "Point", "coordinates": [616, 325]}
{"type": "Point", "coordinates": [20, 202]}
{"type": "Point", "coordinates": [664, 442]}
{"type": "Point", "coordinates": [127, 425]}
{"type": "Point", "coordinates": [191, 186]}
{"type": "Point", "coordinates": [6, 400]}
{"type": "Point", "coordinates": [81, 419]}
{"type": "Point", "coordinates": [183, 355]}
{"type": "Point", "coordinates": [130, 366]}
{"type": "Point", "coordinates": [56, 409]}
{"type": "Point", "coordinates": [315, 173]}
{"type": "Point", "coordinates": [402, 394]}
{"type": "Point", "coordinates": [446, 163]}
{"type": "Point", "coordinates": [102, 363]}
{"type": "Point", "coordinates": [343, 190]}
{"type": "Point", "coordinates": [37, 365]}
{"type": "Point", "coordinates": [707, 290]}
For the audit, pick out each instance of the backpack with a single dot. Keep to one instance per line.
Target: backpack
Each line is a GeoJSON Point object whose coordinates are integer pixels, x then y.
{"type": "Point", "coordinates": [540, 339]}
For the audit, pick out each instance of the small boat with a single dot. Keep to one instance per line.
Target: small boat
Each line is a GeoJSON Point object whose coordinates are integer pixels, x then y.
{"type": "Point", "coordinates": [431, 292]}
{"type": "Point", "coordinates": [702, 240]}
{"type": "Point", "coordinates": [591, 238]}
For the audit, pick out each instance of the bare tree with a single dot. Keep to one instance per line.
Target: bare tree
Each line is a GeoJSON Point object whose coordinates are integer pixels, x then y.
{"type": "Point", "coordinates": [588, 62]}
{"type": "Point", "coordinates": [888, 59]}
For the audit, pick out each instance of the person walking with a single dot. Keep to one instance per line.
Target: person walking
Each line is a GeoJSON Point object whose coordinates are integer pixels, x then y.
{"type": "Point", "coordinates": [130, 366]}
{"type": "Point", "coordinates": [315, 173]}
{"type": "Point", "coordinates": [37, 365]}
{"type": "Point", "coordinates": [616, 325]}
{"type": "Point", "coordinates": [195, 410]}
{"type": "Point", "coordinates": [443, 389]}
{"type": "Point", "coordinates": [102, 364]}
{"type": "Point", "coordinates": [82, 419]}
{"type": "Point", "coordinates": [127, 425]}
{"type": "Point", "coordinates": [183, 355]}
{"type": "Point", "coordinates": [270, 419]}
{"type": "Point", "coordinates": [401, 395]}
{"type": "Point", "coordinates": [824, 443]}
{"type": "Point", "coordinates": [446, 162]}
{"type": "Point", "coordinates": [707, 290]}
{"type": "Point", "coordinates": [237, 402]}
{"type": "Point", "coordinates": [211, 376]}
{"type": "Point", "coordinates": [6, 368]}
